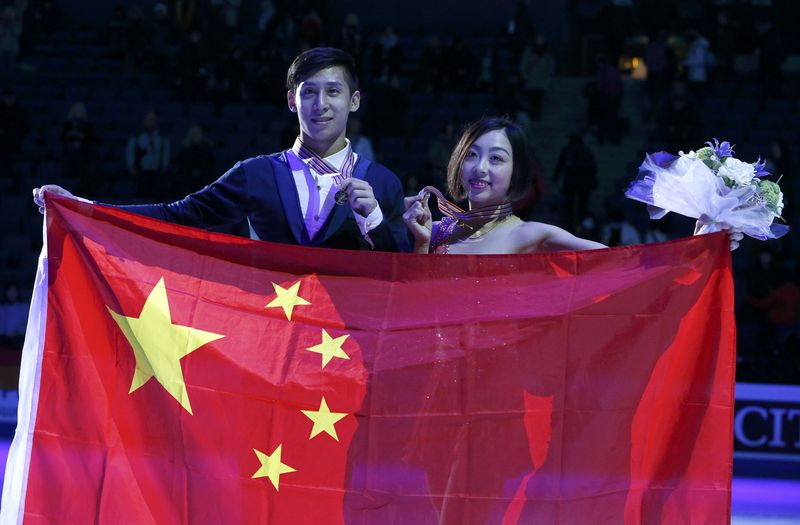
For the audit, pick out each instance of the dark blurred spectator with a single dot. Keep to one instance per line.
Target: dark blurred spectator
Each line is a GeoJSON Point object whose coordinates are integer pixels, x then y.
{"type": "Point", "coordinates": [187, 15]}
{"type": "Point", "coordinates": [680, 47]}
{"type": "Point", "coordinates": [576, 168]}
{"type": "Point", "coordinates": [361, 144]}
{"type": "Point", "coordinates": [285, 31]}
{"type": "Point", "coordinates": [13, 311]}
{"type": "Point", "coordinates": [148, 158]}
{"type": "Point", "coordinates": [237, 73]}
{"type": "Point", "coordinates": [779, 163]}
{"type": "Point", "coordinates": [660, 61]}
{"type": "Point", "coordinates": [226, 80]}
{"type": "Point", "coordinates": [617, 22]}
{"type": "Point", "coordinates": [771, 54]}
{"type": "Point", "coordinates": [40, 18]}
{"type": "Point", "coordinates": [267, 20]}
{"type": "Point", "coordinates": [439, 155]}
{"type": "Point", "coordinates": [191, 74]}
{"type": "Point", "coordinates": [726, 43]}
{"type": "Point", "coordinates": [388, 103]}
{"type": "Point", "coordinates": [311, 30]}
{"type": "Point", "coordinates": [522, 116]}
{"type": "Point", "coordinates": [10, 34]}
{"type": "Point", "coordinates": [609, 90]}
{"type": "Point", "coordinates": [588, 228]}
{"type": "Point", "coordinates": [48, 15]}
{"type": "Point", "coordinates": [618, 231]}
{"type": "Point", "coordinates": [519, 27]}
{"type": "Point", "coordinates": [116, 29]}
{"type": "Point", "coordinates": [289, 131]}
{"type": "Point", "coordinates": [678, 119]}
{"type": "Point", "coordinates": [460, 64]}
{"type": "Point", "coordinates": [779, 332]}
{"type": "Point", "coordinates": [136, 37]}
{"type": "Point", "coordinates": [228, 13]}
{"type": "Point", "coordinates": [432, 59]}
{"type": "Point", "coordinates": [351, 38]}
{"type": "Point", "coordinates": [762, 274]}
{"type": "Point", "coordinates": [537, 67]}
{"type": "Point", "coordinates": [412, 184]}
{"type": "Point", "coordinates": [656, 15]}
{"type": "Point", "coordinates": [699, 62]}
{"type": "Point", "coordinates": [525, 206]}
{"type": "Point", "coordinates": [28, 38]}
{"type": "Point", "coordinates": [489, 70]}
{"type": "Point", "coordinates": [657, 231]}
{"type": "Point", "coordinates": [195, 162]}
{"type": "Point", "coordinates": [781, 304]}
{"type": "Point", "coordinates": [387, 57]}
{"type": "Point", "coordinates": [779, 160]}
{"type": "Point", "coordinates": [161, 50]}
{"type": "Point", "coordinates": [14, 125]}
{"type": "Point", "coordinates": [270, 65]}
{"type": "Point", "coordinates": [77, 141]}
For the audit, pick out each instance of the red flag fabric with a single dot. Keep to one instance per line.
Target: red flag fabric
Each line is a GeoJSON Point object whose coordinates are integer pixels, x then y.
{"type": "Point", "coordinates": [174, 375]}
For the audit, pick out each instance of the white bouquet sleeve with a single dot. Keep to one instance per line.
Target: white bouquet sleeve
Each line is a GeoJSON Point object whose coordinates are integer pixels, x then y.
{"type": "Point", "coordinates": [686, 185]}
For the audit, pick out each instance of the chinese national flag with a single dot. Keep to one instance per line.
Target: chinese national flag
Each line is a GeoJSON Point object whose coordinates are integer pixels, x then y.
{"type": "Point", "coordinates": [172, 375]}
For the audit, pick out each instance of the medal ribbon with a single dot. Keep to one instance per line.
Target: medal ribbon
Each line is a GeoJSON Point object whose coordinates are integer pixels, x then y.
{"type": "Point", "coordinates": [465, 222]}
{"type": "Point", "coordinates": [483, 214]}
{"type": "Point", "coordinates": [324, 167]}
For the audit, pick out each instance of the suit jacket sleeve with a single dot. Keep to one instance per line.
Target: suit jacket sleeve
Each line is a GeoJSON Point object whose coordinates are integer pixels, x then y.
{"type": "Point", "coordinates": [223, 202]}
{"type": "Point", "coordinates": [392, 234]}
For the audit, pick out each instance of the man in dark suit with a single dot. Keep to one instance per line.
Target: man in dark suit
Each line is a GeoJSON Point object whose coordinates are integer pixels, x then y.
{"type": "Point", "coordinates": [317, 193]}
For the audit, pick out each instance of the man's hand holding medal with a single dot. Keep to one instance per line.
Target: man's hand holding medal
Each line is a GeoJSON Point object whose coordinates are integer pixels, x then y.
{"type": "Point", "coordinates": [359, 194]}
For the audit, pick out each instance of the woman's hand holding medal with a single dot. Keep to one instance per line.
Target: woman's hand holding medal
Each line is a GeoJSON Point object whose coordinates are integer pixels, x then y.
{"type": "Point", "coordinates": [418, 218]}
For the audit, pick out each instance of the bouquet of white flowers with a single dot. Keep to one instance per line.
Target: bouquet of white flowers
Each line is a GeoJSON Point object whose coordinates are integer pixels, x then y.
{"type": "Point", "coordinates": [711, 185]}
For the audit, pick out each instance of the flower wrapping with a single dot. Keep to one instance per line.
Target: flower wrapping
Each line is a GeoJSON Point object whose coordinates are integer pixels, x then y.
{"type": "Point", "coordinates": [720, 191]}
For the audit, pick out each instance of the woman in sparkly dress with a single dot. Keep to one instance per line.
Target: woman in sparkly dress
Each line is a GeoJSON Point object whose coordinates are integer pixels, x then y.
{"type": "Point", "coordinates": [489, 167]}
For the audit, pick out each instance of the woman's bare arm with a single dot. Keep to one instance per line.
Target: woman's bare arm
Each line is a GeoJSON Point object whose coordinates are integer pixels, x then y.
{"type": "Point", "coordinates": [542, 237]}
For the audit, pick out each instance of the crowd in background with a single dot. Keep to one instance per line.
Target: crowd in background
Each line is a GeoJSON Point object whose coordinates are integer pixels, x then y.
{"type": "Point", "coordinates": [236, 52]}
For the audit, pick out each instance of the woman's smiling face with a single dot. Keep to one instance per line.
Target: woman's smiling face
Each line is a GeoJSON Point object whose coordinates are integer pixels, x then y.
{"type": "Point", "coordinates": [487, 169]}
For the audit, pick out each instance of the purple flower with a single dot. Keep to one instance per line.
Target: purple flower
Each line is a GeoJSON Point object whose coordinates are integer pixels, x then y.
{"type": "Point", "coordinates": [760, 168]}
{"type": "Point", "coordinates": [721, 150]}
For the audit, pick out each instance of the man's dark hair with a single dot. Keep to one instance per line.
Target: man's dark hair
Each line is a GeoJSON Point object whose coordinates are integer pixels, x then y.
{"type": "Point", "coordinates": [521, 174]}
{"type": "Point", "coordinates": [316, 59]}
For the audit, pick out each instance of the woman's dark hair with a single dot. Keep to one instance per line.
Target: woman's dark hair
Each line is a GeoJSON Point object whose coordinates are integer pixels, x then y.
{"type": "Point", "coordinates": [521, 174]}
{"type": "Point", "coordinates": [316, 59]}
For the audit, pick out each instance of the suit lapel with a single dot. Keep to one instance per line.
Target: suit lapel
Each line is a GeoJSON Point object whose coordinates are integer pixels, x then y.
{"type": "Point", "coordinates": [287, 191]}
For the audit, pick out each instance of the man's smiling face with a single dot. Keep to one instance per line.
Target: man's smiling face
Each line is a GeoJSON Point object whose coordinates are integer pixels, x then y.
{"type": "Point", "coordinates": [323, 103]}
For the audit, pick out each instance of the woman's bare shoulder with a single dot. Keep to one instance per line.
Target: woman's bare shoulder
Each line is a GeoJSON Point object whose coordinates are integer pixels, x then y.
{"type": "Point", "coordinates": [529, 234]}
{"type": "Point", "coordinates": [532, 229]}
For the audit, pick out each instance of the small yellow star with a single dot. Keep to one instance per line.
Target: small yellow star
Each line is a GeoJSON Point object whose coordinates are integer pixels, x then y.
{"type": "Point", "coordinates": [324, 420]}
{"type": "Point", "coordinates": [330, 348]}
{"type": "Point", "coordinates": [271, 467]}
{"type": "Point", "coordinates": [159, 345]}
{"type": "Point", "coordinates": [287, 299]}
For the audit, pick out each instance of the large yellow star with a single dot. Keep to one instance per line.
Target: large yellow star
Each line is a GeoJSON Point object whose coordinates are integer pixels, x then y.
{"type": "Point", "coordinates": [324, 420]}
{"type": "Point", "coordinates": [271, 467]}
{"type": "Point", "coordinates": [330, 348]}
{"type": "Point", "coordinates": [287, 299]}
{"type": "Point", "coordinates": [159, 345]}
